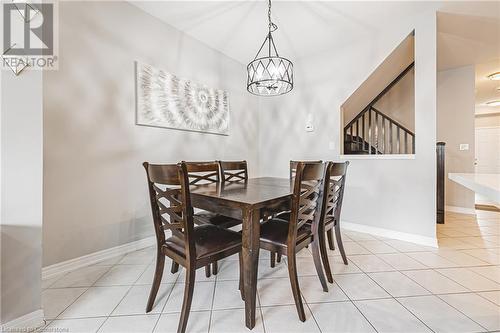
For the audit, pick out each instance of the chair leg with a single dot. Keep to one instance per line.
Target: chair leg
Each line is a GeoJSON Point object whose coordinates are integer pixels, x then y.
{"type": "Point", "coordinates": [317, 265]}
{"type": "Point", "coordinates": [241, 286]}
{"type": "Point", "coordinates": [340, 244]}
{"type": "Point", "coordinates": [324, 256]}
{"type": "Point", "coordinates": [160, 264]}
{"type": "Point", "coordinates": [278, 257]}
{"type": "Point", "coordinates": [294, 281]}
{"type": "Point", "coordinates": [188, 298]}
{"type": "Point", "coordinates": [331, 244]}
{"type": "Point", "coordinates": [175, 267]}
{"type": "Point", "coordinates": [207, 270]}
{"type": "Point", "coordinates": [215, 268]}
{"type": "Point", "coordinates": [273, 259]}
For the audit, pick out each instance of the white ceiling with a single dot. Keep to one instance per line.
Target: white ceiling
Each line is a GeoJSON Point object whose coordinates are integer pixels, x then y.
{"type": "Point", "coordinates": [468, 32]}
{"type": "Point", "coordinates": [238, 28]}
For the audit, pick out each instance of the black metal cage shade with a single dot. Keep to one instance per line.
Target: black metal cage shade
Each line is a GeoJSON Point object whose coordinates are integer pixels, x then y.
{"type": "Point", "coordinates": [270, 76]}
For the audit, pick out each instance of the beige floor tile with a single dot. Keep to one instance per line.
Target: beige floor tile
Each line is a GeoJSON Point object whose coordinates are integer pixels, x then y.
{"type": "Point", "coordinates": [82, 277]}
{"type": "Point", "coordinates": [284, 319]}
{"type": "Point", "coordinates": [340, 317]}
{"type": "Point", "coordinates": [435, 282]}
{"type": "Point", "coordinates": [432, 260]}
{"type": "Point", "coordinates": [439, 316]}
{"type": "Point", "coordinates": [96, 302]}
{"type": "Point", "coordinates": [121, 275]}
{"type": "Point", "coordinates": [132, 324]}
{"type": "Point", "coordinates": [360, 286]}
{"type": "Point", "coordinates": [470, 279]}
{"type": "Point", "coordinates": [492, 296]}
{"type": "Point", "coordinates": [398, 284]}
{"type": "Point", "coordinates": [491, 272]}
{"type": "Point", "coordinates": [311, 290]}
{"type": "Point", "coordinates": [55, 301]}
{"type": "Point", "coordinates": [198, 322]}
{"type": "Point", "coordinates": [227, 295]}
{"type": "Point", "coordinates": [377, 246]}
{"type": "Point", "coordinates": [275, 292]}
{"type": "Point", "coordinates": [387, 315]}
{"type": "Point", "coordinates": [401, 261]}
{"type": "Point", "coordinates": [202, 297]}
{"type": "Point", "coordinates": [134, 303]}
{"type": "Point", "coordinates": [83, 325]}
{"type": "Point", "coordinates": [477, 308]}
{"type": "Point", "coordinates": [371, 263]}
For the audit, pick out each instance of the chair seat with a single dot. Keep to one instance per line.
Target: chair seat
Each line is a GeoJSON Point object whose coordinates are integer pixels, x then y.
{"type": "Point", "coordinates": [275, 231]}
{"type": "Point", "coordinates": [222, 221]}
{"type": "Point", "coordinates": [209, 241]}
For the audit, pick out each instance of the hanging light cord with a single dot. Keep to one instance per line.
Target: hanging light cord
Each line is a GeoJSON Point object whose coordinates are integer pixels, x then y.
{"type": "Point", "coordinates": [269, 38]}
{"type": "Point", "coordinates": [272, 27]}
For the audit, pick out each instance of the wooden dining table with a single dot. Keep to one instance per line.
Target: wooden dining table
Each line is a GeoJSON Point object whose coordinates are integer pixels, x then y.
{"type": "Point", "coordinates": [250, 201]}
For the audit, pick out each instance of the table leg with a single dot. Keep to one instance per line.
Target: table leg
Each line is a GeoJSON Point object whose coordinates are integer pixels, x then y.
{"type": "Point", "coordinates": [250, 252]}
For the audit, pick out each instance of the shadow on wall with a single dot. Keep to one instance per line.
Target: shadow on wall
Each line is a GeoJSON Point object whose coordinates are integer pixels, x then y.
{"type": "Point", "coordinates": [21, 271]}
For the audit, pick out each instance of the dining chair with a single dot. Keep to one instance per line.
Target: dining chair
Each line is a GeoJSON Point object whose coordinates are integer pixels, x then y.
{"type": "Point", "coordinates": [233, 171]}
{"type": "Point", "coordinates": [191, 246]}
{"type": "Point", "coordinates": [276, 257]}
{"type": "Point", "coordinates": [334, 186]}
{"type": "Point", "coordinates": [200, 173]}
{"type": "Point", "coordinates": [289, 237]}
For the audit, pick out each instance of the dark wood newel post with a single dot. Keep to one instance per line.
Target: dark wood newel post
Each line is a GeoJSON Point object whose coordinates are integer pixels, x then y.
{"type": "Point", "coordinates": [440, 180]}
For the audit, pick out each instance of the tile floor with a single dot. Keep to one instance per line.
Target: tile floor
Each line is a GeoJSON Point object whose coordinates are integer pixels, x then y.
{"type": "Point", "coordinates": [388, 286]}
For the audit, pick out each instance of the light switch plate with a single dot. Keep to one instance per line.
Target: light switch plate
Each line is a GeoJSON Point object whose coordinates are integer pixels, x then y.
{"type": "Point", "coordinates": [464, 146]}
{"type": "Point", "coordinates": [331, 145]}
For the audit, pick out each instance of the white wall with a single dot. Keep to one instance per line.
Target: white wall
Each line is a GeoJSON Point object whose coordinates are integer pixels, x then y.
{"type": "Point", "coordinates": [455, 125]}
{"type": "Point", "coordinates": [488, 120]}
{"type": "Point", "coordinates": [95, 193]}
{"type": "Point", "coordinates": [21, 194]}
{"type": "Point", "coordinates": [397, 195]}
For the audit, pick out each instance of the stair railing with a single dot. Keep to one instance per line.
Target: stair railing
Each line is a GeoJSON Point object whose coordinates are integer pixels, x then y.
{"type": "Point", "coordinates": [373, 132]}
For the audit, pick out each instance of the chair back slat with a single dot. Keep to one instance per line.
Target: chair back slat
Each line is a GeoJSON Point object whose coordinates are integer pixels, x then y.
{"type": "Point", "coordinates": [200, 173]}
{"type": "Point", "coordinates": [293, 166]}
{"type": "Point", "coordinates": [307, 195]}
{"type": "Point", "coordinates": [170, 203]}
{"type": "Point", "coordinates": [334, 189]}
{"type": "Point", "coordinates": [233, 171]}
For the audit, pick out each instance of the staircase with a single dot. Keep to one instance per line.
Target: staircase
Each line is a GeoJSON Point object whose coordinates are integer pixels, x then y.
{"type": "Point", "coordinates": [372, 132]}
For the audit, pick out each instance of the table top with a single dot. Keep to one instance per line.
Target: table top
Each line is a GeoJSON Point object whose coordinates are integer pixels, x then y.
{"type": "Point", "coordinates": [487, 185]}
{"type": "Point", "coordinates": [253, 192]}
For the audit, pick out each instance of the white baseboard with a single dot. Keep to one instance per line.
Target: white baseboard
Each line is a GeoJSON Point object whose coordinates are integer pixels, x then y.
{"type": "Point", "coordinates": [417, 239]}
{"type": "Point", "coordinates": [89, 259]}
{"type": "Point", "coordinates": [461, 210]}
{"type": "Point", "coordinates": [27, 323]}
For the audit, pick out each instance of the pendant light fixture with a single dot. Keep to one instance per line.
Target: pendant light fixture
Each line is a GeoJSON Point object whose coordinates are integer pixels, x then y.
{"type": "Point", "coordinates": [269, 74]}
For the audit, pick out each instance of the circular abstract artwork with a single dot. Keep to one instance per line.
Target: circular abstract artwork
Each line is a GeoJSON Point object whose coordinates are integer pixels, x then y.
{"type": "Point", "coordinates": [165, 100]}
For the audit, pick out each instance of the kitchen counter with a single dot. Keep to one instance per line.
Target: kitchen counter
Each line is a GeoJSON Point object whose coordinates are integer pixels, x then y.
{"type": "Point", "coordinates": [485, 184]}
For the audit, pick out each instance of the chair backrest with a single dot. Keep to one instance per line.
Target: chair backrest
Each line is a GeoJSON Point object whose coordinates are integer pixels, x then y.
{"type": "Point", "coordinates": [293, 166]}
{"type": "Point", "coordinates": [233, 171]}
{"type": "Point", "coordinates": [307, 197]}
{"type": "Point", "coordinates": [171, 203]}
{"type": "Point", "coordinates": [200, 173]}
{"type": "Point", "coordinates": [335, 177]}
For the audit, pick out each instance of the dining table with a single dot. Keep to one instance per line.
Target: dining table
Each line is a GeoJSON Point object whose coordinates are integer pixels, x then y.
{"type": "Point", "coordinates": [252, 201]}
